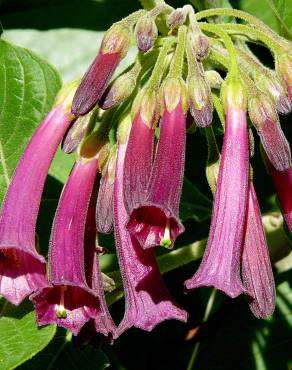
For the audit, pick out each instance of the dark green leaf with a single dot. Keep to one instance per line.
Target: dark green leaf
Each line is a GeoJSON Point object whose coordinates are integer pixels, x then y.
{"type": "Point", "coordinates": [28, 88]}
{"type": "Point", "coordinates": [61, 354]}
{"type": "Point", "coordinates": [21, 339]}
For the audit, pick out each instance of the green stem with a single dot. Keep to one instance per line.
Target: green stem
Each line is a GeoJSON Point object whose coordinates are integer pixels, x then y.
{"type": "Point", "coordinates": [207, 313]}
{"type": "Point", "coordinates": [253, 32]}
{"type": "Point", "coordinates": [213, 151]}
{"type": "Point", "coordinates": [245, 16]}
{"type": "Point", "coordinates": [131, 19]}
{"type": "Point", "coordinates": [178, 60]}
{"type": "Point", "coordinates": [157, 72]}
{"type": "Point", "coordinates": [219, 108]}
{"type": "Point", "coordinates": [233, 66]}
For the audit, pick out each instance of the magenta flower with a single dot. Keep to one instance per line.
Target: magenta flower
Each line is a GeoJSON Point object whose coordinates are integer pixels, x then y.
{"type": "Point", "coordinates": [22, 269]}
{"type": "Point", "coordinates": [68, 299]}
{"type": "Point", "coordinates": [114, 47]}
{"type": "Point", "coordinates": [105, 199]}
{"type": "Point", "coordinates": [155, 221]}
{"type": "Point", "coordinates": [139, 153]}
{"type": "Point", "coordinates": [220, 267]}
{"type": "Point", "coordinates": [257, 271]}
{"type": "Point", "coordinates": [147, 300]}
{"type": "Point", "coordinates": [283, 184]}
{"type": "Point", "coordinates": [103, 322]}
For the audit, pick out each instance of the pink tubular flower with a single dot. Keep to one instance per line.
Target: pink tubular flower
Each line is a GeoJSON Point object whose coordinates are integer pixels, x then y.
{"type": "Point", "coordinates": [257, 271]}
{"type": "Point", "coordinates": [139, 152]}
{"type": "Point", "coordinates": [147, 300]}
{"type": "Point", "coordinates": [283, 184]}
{"type": "Point", "coordinates": [220, 266]}
{"type": "Point", "coordinates": [114, 47]}
{"type": "Point", "coordinates": [22, 269]}
{"type": "Point", "coordinates": [68, 300]}
{"type": "Point", "coordinates": [155, 221]}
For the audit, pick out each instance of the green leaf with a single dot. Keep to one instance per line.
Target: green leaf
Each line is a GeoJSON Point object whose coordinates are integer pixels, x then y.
{"type": "Point", "coordinates": [28, 88]}
{"type": "Point", "coordinates": [61, 354]}
{"type": "Point", "coordinates": [21, 339]}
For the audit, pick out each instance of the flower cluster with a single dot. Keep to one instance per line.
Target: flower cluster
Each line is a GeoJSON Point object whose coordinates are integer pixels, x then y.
{"type": "Point", "coordinates": [128, 174]}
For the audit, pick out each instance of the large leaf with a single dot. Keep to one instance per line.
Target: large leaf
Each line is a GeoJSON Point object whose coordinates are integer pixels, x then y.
{"type": "Point", "coordinates": [28, 88]}
{"type": "Point", "coordinates": [21, 339]}
{"type": "Point", "coordinates": [61, 354]}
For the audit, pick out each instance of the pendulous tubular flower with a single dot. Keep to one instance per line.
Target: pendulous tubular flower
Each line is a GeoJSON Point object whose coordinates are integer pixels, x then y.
{"type": "Point", "coordinates": [282, 181]}
{"type": "Point", "coordinates": [114, 47]}
{"type": "Point", "coordinates": [257, 274]}
{"type": "Point", "coordinates": [68, 300]}
{"type": "Point", "coordinates": [147, 299]}
{"type": "Point", "coordinates": [264, 117]}
{"type": "Point", "coordinates": [155, 221]}
{"type": "Point", "coordinates": [140, 146]}
{"type": "Point", "coordinates": [220, 267]}
{"type": "Point", "coordinates": [22, 269]}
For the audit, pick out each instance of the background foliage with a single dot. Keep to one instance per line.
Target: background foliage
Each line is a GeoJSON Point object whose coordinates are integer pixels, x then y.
{"type": "Point", "coordinates": [40, 34]}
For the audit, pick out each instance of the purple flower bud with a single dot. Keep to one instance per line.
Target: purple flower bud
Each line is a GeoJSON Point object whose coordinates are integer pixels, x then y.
{"type": "Point", "coordinates": [119, 91]}
{"type": "Point", "coordinates": [257, 271]}
{"type": "Point", "coordinates": [146, 33]}
{"type": "Point", "coordinates": [201, 105]}
{"type": "Point", "coordinates": [114, 47]}
{"type": "Point", "coordinates": [283, 184]}
{"type": "Point", "coordinates": [201, 45]}
{"type": "Point", "coordinates": [176, 18]}
{"type": "Point", "coordinates": [220, 266]}
{"type": "Point", "coordinates": [22, 269]}
{"type": "Point", "coordinates": [270, 84]}
{"type": "Point", "coordinates": [104, 207]}
{"type": "Point", "coordinates": [68, 300]}
{"type": "Point", "coordinates": [147, 300]}
{"type": "Point", "coordinates": [265, 119]}
{"type": "Point", "coordinates": [139, 154]}
{"type": "Point", "coordinates": [80, 128]}
{"type": "Point", "coordinates": [155, 221]}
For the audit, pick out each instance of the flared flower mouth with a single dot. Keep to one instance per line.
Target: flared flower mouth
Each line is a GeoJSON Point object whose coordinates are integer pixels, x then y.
{"type": "Point", "coordinates": [154, 225]}
{"type": "Point", "coordinates": [67, 305]}
{"type": "Point", "coordinates": [20, 273]}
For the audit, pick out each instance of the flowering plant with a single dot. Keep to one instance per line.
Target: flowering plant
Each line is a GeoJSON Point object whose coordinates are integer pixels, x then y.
{"type": "Point", "coordinates": [196, 81]}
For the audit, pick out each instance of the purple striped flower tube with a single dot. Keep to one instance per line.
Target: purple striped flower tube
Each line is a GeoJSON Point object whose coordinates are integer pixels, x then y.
{"type": "Point", "coordinates": [282, 181]}
{"type": "Point", "coordinates": [155, 221]}
{"type": "Point", "coordinates": [68, 300]}
{"type": "Point", "coordinates": [139, 154]}
{"type": "Point", "coordinates": [22, 269]}
{"type": "Point", "coordinates": [114, 47]}
{"type": "Point", "coordinates": [220, 267]}
{"type": "Point", "coordinates": [257, 273]}
{"type": "Point", "coordinates": [147, 299]}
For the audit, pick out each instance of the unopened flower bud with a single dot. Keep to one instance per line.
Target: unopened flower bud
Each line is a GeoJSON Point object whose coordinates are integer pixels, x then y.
{"type": "Point", "coordinates": [214, 79]}
{"type": "Point", "coordinates": [270, 84]}
{"type": "Point", "coordinates": [146, 33]}
{"type": "Point", "coordinates": [284, 70]}
{"type": "Point", "coordinates": [119, 91]}
{"type": "Point", "coordinates": [114, 47]}
{"type": "Point", "coordinates": [201, 105]}
{"type": "Point", "coordinates": [264, 117]}
{"type": "Point", "coordinates": [176, 18]}
{"type": "Point", "coordinates": [201, 45]}
{"type": "Point", "coordinates": [80, 128]}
